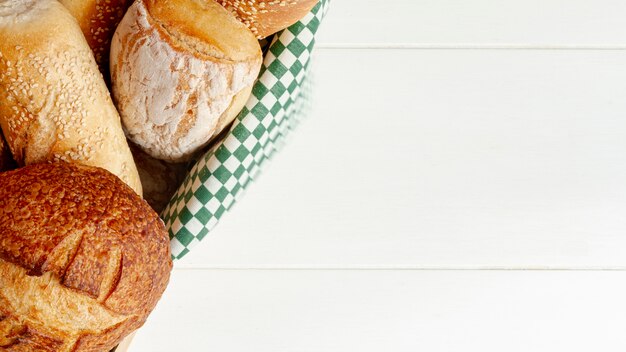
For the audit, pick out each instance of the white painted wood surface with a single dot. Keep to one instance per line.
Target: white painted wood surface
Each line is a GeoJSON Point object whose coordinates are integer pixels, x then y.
{"type": "Point", "coordinates": [455, 159]}
{"type": "Point", "coordinates": [463, 23]}
{"type": "Point", "coordinates": [419, 160]}
{"type": "Point", "coordinates": [400, 311]}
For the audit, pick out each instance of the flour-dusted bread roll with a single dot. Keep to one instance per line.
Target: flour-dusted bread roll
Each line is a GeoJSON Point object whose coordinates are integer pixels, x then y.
{"type": "Point", "coordinates": [98, 20]}
{"type": "Point", "coordinates": [83, 259]}
{"type": "Point", "coordinates": [265, 17]}
{"type": "Point", "coordinates": [181, 71]}
{"type": "Point", "coordinates": [54, 105]}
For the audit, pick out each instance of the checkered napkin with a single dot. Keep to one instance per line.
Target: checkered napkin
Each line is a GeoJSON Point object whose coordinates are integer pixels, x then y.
{"type": "Point", "coordinates": [279, 99]}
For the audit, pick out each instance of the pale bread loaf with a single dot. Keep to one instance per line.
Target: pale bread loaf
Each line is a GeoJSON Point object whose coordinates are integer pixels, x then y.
{"type": "Point", "coordinates": [54, 104]}
{"type": "Point", "coordinates": [98, 20]}
{"type": "Point", "coordinates": [266, 17]}
{"type": "Point", "coordinates": [83, 258]}
{"type": "Point", "coordinates": [181, 71]}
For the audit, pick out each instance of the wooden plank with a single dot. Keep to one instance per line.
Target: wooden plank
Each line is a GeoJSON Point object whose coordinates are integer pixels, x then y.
{"type": "Point", "coordinates": [360, 310]}
{"type": "Point", "coordinates": [553, 23]}
{"type": "Point", "coordinates": [443, 159]}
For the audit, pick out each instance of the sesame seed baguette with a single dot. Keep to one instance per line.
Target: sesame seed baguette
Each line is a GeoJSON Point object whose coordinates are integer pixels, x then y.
{"type": "Point", "coordinates": [54, 104]}
{"type": "Point", "coordinates": [181, 71]}
{"type": "Point", "coordinates": [266, 17]}
{"type": "Point", "coordinates": [98, 20]}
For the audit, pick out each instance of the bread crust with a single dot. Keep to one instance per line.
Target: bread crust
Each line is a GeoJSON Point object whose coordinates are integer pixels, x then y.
{"type": "Point", "coordinates": [54, 104]}
{"type": "Point", "coordinates": [98, 20]}
{"type": "Point", "coordinates": [266, 17]}
{"type": "Point", "coordinates": [178, 70]}
{"type": "Point", "coordinates": [83, 259]}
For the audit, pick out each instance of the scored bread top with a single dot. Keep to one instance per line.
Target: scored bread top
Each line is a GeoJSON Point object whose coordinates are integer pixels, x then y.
{"type": "Point", "coordinates": [196, 25]}
{"type": "Point", "coordinates": [84, 259]}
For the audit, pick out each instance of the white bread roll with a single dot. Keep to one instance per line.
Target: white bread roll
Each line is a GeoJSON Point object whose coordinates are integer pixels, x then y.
{"type": "Point", "coordinates": [181, 71]}
{"type": "Point", "coordinates": [54, 104]}
{"type": "Point", "coordinates": [98, 20]}
{"type": "Point", "coordinates": [266, 17]}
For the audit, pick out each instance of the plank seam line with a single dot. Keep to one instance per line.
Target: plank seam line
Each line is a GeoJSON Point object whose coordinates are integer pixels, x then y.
{"type": "Point", "coordinates": [582, 269]}
{"type": "Point", "coordinates": [416, 46]}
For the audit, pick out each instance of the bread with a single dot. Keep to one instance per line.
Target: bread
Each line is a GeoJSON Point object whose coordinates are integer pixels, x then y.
{"type": "Point", "coordinates": [54, 105]}
{"type": "Point", "coordinates": [181, 71]}
{"type": "Point", "coordinates": [266, 17]}
{"type": "Point", "coordinates": [98, 20]}
{"type": "Point", "coordinates": [160, 179]}
{"type": "Point", "coordinates": [83, 258]}
{"type": "Point", "coordinates": [6, 159]}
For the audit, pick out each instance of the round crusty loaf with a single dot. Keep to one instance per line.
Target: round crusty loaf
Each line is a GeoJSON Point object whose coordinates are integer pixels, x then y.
{"type": "Point", "coordinates": [83, 258]}
{"type": "Point", "coordinates": [98, 20]}
{"type": "Point", "coordinates": [181, 71]}
{"type": "Point", "coordinates": [266, 17]}
{"type": "Point", "coordinates": [54, 104]}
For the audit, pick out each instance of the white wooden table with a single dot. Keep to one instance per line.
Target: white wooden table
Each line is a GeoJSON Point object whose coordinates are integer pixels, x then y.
{"type": "Point", "coordinates": [461, 186]}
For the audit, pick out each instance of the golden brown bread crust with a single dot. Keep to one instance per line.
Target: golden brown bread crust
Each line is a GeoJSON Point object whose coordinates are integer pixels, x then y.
{"type": "Point", "coordinates": [266, 17]}
{"type": "Point", "coordinates": [54, 104]}
{"type": "Point", "coordinates": [204, 26]}
{"type": "Point", "coordinates": [83, 259]}
{"type": "Point", "coordinates": [98, 20]}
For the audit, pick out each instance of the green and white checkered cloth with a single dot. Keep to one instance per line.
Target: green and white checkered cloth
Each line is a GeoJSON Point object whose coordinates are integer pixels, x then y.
{"type": "Point", "coordinates": [279, 99]}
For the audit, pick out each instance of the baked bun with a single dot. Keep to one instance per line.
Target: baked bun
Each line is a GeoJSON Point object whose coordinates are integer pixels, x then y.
{"type": "Point", "coordinates": [54, 104]}
{"type": "Point", "coordinates": [266, 17]}
{"type": "Point", "coordinates": [181, 71]}
{"type": "Point", "coordinates": [98, 20]}
{"type": "Point", "coordinates": [83, 258]}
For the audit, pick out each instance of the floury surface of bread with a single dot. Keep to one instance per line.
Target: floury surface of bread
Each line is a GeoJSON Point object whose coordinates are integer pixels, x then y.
{"type": "Point", "coordinates": [181, 71]}
{"type": "Point", "coordinates": [83, 258]}
{"type": "Point", "coordinates": [54, 104]}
